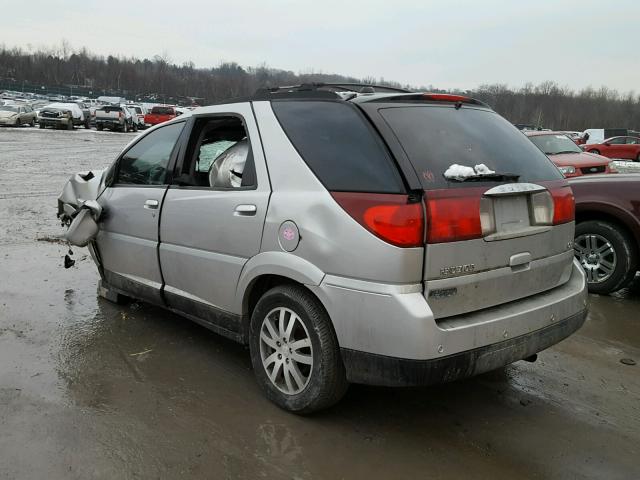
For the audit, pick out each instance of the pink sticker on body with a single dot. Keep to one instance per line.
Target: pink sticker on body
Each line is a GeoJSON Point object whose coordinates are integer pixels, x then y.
{"type": "Point", "coordinates": [288, 234]}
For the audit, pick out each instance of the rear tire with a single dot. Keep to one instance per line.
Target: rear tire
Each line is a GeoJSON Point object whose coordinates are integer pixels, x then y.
{"type": "Point", "coordinates": [70, 125]}
{"type": "Point", "coordinates": [638, 157]}
{"type": "Point", "coordinates": [309, 377]}
{"type": "Point", "coordinates": [41, 125]}
{"type": "Point", "coordinates": [607, 254]}
{"type": "Point", "coordinates": [99, 127]}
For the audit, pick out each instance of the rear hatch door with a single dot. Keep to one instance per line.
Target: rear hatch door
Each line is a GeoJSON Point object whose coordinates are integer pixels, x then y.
{"type": "Point", "coordinates": [499, 223]}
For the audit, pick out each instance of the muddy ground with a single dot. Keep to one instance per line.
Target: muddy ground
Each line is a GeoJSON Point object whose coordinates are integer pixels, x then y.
{"type": "Point", "coordinates": [89, 389]}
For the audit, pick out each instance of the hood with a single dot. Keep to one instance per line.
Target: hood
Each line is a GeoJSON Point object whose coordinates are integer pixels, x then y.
{"type": "Point", "coordinates": [7, 114]}
{"type": "Point", "coordinates": [579, 160]}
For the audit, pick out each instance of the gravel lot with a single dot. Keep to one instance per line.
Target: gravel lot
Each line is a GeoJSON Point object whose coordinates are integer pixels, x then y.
{"type": "Point", "coordinates": [89, 389]}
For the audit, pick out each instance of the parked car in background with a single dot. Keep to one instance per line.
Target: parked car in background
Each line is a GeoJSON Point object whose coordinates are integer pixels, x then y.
{"type": "Point", "coordinates": [116, 118]}
{"type": "Point", "coordinates": [61, 115]}
{"type": "Point", "coordinates": [597, 135]}
{"type": "Point", "coordinates": [623, 148]}
{"type": "Point", "coordinates": [17, 115]}
{"type": "Point", "coordinates": [336, 239]}
{"type": "Point", "coordinates": [140, 112]}
{"type": "Point", "coordinates": [160, 114]}
{"type": "Point", "coordinates": [607, 242]}
{"type": "Point", "coordinates": [566, 155]}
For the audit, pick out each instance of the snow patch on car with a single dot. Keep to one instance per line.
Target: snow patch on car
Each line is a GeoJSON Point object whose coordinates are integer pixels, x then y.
{"type": "Point", "coordinates": [460, 172]}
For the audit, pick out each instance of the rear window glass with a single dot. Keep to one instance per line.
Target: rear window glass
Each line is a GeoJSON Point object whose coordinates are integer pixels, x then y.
{"type": "Point", "coordinates": [337, 144]}
{"type": "Point", "coordinates": [162, 110]}
{"type": "Point", "coordinates": [111, 109]}
{"type": "Point", "coordinates": [436, 137]}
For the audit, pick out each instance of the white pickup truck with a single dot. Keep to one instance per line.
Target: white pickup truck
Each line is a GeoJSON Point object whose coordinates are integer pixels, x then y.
{"type": "Point", "coordinates": [116, 117]}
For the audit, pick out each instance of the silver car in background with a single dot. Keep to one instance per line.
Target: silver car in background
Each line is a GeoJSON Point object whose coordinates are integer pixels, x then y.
{"type": "Point", "coordinates": [387, 237]}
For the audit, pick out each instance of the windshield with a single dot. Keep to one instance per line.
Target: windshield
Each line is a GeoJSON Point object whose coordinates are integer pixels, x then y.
{"type": "Point", "coordinates": [554, 144]}
{"type": "Point", "coordinates": [9, 108]}
{"type": "Point", "coordinates": [437, 137]}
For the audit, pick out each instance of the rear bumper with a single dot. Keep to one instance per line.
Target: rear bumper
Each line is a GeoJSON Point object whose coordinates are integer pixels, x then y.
{"type": "Point", "coordinates": [109, 123]}
{"type": "Point", "coordinates": [374, 369]}
{"type": "Point", "coordinates": [392, 327]}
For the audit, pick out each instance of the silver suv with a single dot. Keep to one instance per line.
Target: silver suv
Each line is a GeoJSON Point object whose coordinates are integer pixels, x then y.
{"type": "Point", "coordinates": [388, 238]}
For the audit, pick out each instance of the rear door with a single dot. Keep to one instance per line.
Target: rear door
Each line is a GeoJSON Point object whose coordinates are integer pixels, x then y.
{"type": "Point", "coordinates": [491, 239]}
{"type": "Point", "coordinates": [213, 214]}
{"type": "Point", "coordinates": [127, 241]}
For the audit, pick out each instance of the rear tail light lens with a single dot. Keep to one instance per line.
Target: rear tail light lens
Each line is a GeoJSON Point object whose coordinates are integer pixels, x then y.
{"type": "Point", "coordinates": [542, 208]}
{"type": "Point", "coordinates": [564, 205]}
{"type": "Point", "coordinates": [454, 215]}
{"type": "Point", "coordinates": [390, 217]}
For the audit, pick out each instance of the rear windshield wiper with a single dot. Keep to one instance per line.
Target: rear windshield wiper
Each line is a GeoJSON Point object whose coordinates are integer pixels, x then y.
{"type": "Point", "coordinates": [487, 177]}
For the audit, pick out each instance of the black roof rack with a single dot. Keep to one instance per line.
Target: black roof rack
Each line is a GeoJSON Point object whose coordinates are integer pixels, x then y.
{"type": "Point", "coordinates": [333, 87]}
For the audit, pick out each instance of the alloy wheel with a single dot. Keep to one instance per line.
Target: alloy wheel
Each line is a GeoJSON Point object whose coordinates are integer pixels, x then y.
{"type": "Point", "coordinates": [597, 256]}
{"type": "Point", "coordinates": [286, 350]}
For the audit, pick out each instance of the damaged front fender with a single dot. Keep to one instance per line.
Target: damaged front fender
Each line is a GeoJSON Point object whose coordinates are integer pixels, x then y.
{"type": "Point", "coordinates": [78, 208]}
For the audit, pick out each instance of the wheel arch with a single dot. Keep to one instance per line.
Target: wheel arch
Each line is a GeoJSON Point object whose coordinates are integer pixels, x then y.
{"type": "Point", "coordinates": [614, 216]}
{"type": "Point", "coordinates": [269, 269]}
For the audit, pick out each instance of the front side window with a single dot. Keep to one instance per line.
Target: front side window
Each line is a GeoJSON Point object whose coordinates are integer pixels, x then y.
{"type": "Point", "coordinates": [146, 162]}
{"type": "Point", "coordinates": [633, 141]}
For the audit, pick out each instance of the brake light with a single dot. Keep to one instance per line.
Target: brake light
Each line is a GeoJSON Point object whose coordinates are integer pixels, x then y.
{"type": "Point", "coordinates": [564, 205]}
{"type": "Point", "coordinates": [446, 97]}
{"type": "Point", "coordinates": [453, 215]}
{"type": "Point", "coordinates": [390, 217]}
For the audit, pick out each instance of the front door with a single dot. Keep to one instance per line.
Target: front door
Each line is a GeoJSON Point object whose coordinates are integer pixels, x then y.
{"type": "Point", "coordinates": [212, 219]}
{"type": "Point", "coordinates": [127, 241]}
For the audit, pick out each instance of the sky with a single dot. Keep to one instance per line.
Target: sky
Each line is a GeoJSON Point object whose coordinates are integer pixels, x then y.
{"type": "Point", "coordinates": [454, 44]}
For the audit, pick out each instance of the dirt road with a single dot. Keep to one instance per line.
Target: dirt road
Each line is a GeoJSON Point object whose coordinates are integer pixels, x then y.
{"type": "Point", "coordinates": [89, 389]}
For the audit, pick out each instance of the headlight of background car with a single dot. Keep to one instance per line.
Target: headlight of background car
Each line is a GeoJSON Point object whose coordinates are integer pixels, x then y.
{"type": "Point", "coordinates": [567, 170]}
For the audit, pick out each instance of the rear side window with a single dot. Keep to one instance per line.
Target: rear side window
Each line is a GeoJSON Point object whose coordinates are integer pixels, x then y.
{"type": "Point", "coordinates": [338, 145]}
{"type": "Point", "coordinates": [435, 137]}
{"type": "Point", "coordinates": [162, 110]}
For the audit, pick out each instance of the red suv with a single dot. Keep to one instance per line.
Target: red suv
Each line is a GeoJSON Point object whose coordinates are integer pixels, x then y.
{"type": "Point", "coordinates": [567, 156]}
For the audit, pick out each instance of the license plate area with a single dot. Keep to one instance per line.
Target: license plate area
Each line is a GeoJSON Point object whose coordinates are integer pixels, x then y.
{"type": "Point", "coordinates": [509, 213]}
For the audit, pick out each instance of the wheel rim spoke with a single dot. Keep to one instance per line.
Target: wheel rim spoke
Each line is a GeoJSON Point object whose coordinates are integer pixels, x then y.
{"type": "Point", "coordinates": [275, 371]}
{"type": "Point", "coordinates": [304, 343]}
{"type": "Point", "coordinates": [300, 358]}
{"type": "Point", "coordinates": [295, 373]}
{"type": "Point", "coordinates": [268, 340]}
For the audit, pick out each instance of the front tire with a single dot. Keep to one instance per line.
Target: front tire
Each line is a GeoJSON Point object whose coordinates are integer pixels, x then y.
{"type": "Point", "coordinates": [595, 151]}
{"type": "Point", "coordinates": [294, 351]}
{"type": "Point", "coordinates": [607, 254]}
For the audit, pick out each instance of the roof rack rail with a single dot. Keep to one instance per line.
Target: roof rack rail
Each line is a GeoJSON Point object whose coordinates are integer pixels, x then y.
{"type": "Point", "coordinates": [332, 87]}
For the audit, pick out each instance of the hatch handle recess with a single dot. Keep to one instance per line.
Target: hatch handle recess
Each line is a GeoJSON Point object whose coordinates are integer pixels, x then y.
{"type": "Point", "coordinates": [513, 189]}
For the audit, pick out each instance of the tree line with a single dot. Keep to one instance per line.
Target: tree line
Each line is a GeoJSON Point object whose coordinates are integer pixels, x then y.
{"type": "Point", "coordinates": [545, 105]}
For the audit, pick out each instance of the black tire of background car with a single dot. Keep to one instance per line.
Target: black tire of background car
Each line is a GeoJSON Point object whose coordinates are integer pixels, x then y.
{"type": "Point", "coordinates": [638, 157]}
{"type": "Point", "coordinates": [41, 125]}
{"type": "Point", "coordinates": [87, 124]}
{"type": "Point", "coordinates": [70, 125]}
{"type": "Point", "coordinates": [595, 152]}
{"type": "Point", "coordinates": [18, 122]}
{"type": "Point", "coordinates": [33, 122]}
{"type": "Point", "coordinates": [99, 127]}
{"type": "Point", "coordinates": [125, 127]}
{"type": "Point", "coordinates": [626, 254]}
{"type": "Point", "coordinates": [328, 382]}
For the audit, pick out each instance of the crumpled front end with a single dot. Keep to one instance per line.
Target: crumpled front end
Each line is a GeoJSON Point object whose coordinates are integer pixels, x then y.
{"type": "Point", "coordinates": [78, 208]}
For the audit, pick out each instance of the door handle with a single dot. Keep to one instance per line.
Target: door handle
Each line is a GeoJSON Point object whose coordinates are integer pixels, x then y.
{"type": "Point", "coordinates": [151, 204]}
{"type": "Point", "coordinates": [245, 210]}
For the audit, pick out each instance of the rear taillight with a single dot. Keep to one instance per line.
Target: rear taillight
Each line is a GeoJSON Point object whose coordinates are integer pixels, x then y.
{"type": "Point", "coordinates": [393, 218]}
{"type": "Point", "coordinates": [564, 205]}
{"type": "Point", "coordinates": [453, 215]}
